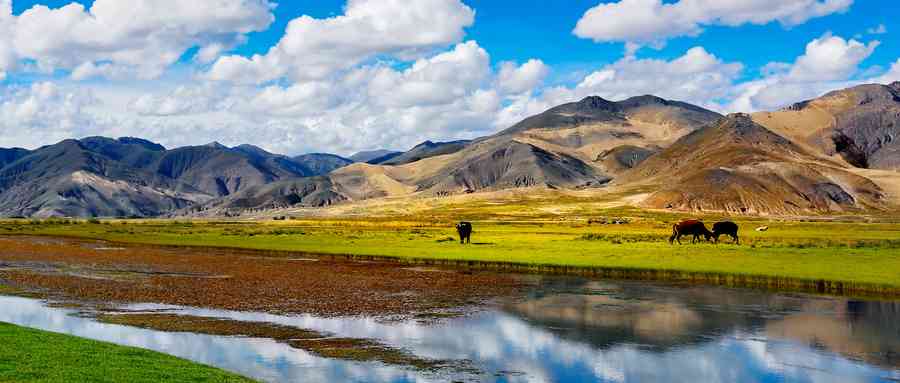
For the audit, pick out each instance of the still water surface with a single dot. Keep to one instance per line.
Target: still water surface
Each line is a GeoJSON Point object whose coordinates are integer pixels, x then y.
{"type": "Point", "coordinates": [566, 329]}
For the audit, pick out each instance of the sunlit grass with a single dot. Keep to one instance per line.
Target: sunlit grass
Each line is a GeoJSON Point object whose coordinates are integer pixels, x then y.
{"type": "Point", "coordinates": [867, 253]}
{"type": "Point", "coordinates": [28, 355]}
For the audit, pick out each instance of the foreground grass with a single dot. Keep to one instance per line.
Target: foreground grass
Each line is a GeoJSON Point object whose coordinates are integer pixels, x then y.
{"type": "Point", "coordinates": [28, 355]}
{"type": "Point", "coordinates": [855, 253]}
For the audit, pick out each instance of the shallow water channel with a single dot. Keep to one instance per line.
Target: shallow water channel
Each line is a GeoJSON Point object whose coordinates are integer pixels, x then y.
{"type": "Point", "coordinates": [565, 329]}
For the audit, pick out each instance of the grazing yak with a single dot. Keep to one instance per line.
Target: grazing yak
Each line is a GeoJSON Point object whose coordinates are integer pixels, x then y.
{"type": "Point", "coordinates": [726, 228]}
{"type": "Point", "coordinates": [465, 232]}
{"type": "Point", "coordinates": [692, 227]}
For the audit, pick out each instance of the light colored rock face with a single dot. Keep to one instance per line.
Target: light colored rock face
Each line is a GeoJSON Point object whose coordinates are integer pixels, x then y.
{"type": "Point", "coordinates": [859, 125]}
{"type": "Point", "coordinates": [739, 166]}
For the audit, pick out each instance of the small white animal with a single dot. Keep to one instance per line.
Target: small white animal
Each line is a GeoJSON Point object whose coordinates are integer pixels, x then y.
{"type": "Point", "coordinates": [762, 228]}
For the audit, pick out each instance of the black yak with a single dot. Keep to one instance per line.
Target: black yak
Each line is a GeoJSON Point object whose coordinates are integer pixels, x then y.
{"type": "Point", "coordinates": [726, 228]}
{"type": "Point", "coordinates": [465, 232]}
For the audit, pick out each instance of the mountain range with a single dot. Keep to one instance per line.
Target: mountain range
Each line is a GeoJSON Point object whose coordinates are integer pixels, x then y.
{"type": "Point", "coordinates": [836, 153]}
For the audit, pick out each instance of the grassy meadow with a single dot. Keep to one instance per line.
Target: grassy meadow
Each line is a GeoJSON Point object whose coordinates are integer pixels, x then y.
{"type": "Point", "coordinates": [853, 253]}
{"type": "Point", "coordinates": [28, 355]}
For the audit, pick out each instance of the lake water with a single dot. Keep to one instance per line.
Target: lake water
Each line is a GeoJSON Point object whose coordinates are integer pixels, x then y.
{"type": "Point", "coordinates": [567, 329]}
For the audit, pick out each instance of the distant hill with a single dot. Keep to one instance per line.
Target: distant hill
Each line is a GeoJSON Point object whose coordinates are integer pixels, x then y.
{"type": "Point", "coordinates": [422, 151]}
{"type": "Point", "coordinates": [92, 178]}
{"type": "Point", "coordinates": [738, 166]}
{"type": "Point", "coordinates": [8, 156]}
{"type": "Point", "coordinates": [624, 157]}
{"type": "Point", "coordinates": [596, 110]}
{"type": "Point", "coordinates": [322, 163]}
{"type": "Point", "coordinates": [836, 153]}
{"type": "Point", "coordinates": [861, 125]}
{"type": "Point", "coordinates": [374, 156]}
{"type": "Point", "coordinates": [563, 154]}
{"type": "Point", "coordinates": [99, 176]}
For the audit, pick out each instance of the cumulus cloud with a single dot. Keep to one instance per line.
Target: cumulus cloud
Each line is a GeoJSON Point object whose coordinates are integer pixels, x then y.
{"type": "Point", "coordinates": [830, 58]}
{"type": "Point", "coordinates": [437, 80]}
{"type": "Point", "coordinates": [892, 75]}
{"type": "Point", "coordinates": [317, 48]}
{"type": "Point", "coordinates": [523, 78]}
{"type": "Point", "coordinates": [393, 74]}
{"type": "Point", "coordinates": [43, 112]}
{"type": "Point", "coordinates": [653, 21]}
{"type": "Point", "coordinates": [697, 76]}
{"type": "Point", "coordinates": [7, 25]}
{"type": "Point", "coordinates": [446, 95]}
{"type": "Point", "coordinates": [141, 37]}
{"type": "Point", "coordinates": [829, 62]}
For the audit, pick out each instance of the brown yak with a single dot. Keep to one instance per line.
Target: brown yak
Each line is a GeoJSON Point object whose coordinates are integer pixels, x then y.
{"type": "Point", "coordinates": [690, 227]}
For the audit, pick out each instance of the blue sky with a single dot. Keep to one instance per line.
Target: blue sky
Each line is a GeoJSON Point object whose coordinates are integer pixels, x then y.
{"type": "Point", "coordinates": [543, 29]}
{"type": "Point", "coordinates": [145, 77]}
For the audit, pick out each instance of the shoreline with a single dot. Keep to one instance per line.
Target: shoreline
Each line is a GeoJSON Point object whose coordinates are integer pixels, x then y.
{"type": "Point", "coordinates": [59, 357]}
{"type": "Point", "coordinates": [725, 279]}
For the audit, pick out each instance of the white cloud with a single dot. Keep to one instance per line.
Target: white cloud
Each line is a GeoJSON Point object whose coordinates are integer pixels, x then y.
{"type": "Point", "coordinates": [517, 79]}
{"type": "Point", "coordinates": [379, 84]}
{"type": "Point", "coordinates": [652, 21]}
{"type": "Point", "coordinates": [879, 30]}
{"type": "Point", "coordinates": [43, 113]}
{"type": "Point", "coordinates": [830, 58]}
{"type": "Point", "coordinates": [892, 75]}
{"type": "Point", "coordinates": [111, 71]}
{"type": "Point", "coordinates": [7, 52]}
{"type": "Point", "coordinates": [697, 77]}
{"type": "Point", "coordinates": [437, 80]}
{"type": "Point", "coordinates": [447, 95]}
{"type": "Point", "coordinates": [141, 37]}
{"type": "Point", "coordinates": [829, 62]}
{"type": "Point", "coordinates": [314, 49]}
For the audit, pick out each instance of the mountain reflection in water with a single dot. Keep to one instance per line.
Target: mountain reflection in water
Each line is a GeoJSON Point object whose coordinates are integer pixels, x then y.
{"type": "Point", "coordinates": [566, 329]}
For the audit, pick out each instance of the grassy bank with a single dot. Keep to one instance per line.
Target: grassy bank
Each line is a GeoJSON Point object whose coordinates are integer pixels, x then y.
{"type": "Point", "coordinates": [856, 257]}
{"type": "Point", "coordinates": [28, 355]}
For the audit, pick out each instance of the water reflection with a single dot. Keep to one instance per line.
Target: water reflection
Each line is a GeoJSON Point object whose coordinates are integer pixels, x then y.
{"type": "Point", "coordinates": [566, 330]}
{"type": "Point", "coordinates": [259, 358]}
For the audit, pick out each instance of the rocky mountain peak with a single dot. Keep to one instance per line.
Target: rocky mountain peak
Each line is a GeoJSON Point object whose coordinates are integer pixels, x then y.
{"type": "Point", "coordinates": [596, 102]}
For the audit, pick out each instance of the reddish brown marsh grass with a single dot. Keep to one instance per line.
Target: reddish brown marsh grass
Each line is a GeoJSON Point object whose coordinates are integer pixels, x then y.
{"type": "Point", "coordinates": [237, 280]}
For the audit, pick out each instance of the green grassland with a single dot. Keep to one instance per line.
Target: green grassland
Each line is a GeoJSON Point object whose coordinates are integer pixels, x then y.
{"type": "Point", "coordinates": [28, 355]}
{"type": "Point", "coordinates": [854, 253]}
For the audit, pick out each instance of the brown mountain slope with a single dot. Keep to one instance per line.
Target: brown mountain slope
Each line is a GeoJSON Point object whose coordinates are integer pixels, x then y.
{"type": "Point", "coordinates": [75, 178]}
{"type": "Point", "coordinates": [736, 165]}
{"type": "Point", "coordinates": [860, 125]}
{"type": "Point", "coordinates": [560, 148]}
{"type": "Point", "coordinates": [624, 157]}
{"type": "Point", "coordinates": [587, 128]}
{"type": "Point", "coordinates": [502, 163]}
{"type": "Point", "coordinates": [306, 192]}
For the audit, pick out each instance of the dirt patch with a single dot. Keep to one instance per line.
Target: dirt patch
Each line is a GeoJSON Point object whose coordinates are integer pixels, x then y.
{"type": "Point", "coordinates": [203, 325]}
{"type": "Point", "coordinates": [239, 280]}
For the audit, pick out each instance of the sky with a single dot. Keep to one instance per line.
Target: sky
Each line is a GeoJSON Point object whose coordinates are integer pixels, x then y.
{"type": "Point", "coordinates": [336, 76]}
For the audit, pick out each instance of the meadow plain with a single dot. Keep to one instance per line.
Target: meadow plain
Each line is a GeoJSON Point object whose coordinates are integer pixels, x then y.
{"type": "Point", "coordinates": [843, 255]}
{"type": "Point", "coordinates": [381, 260]}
